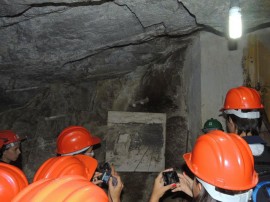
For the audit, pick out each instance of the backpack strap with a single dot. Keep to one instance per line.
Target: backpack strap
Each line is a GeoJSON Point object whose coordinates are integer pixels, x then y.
{"type": "Point", "coordinates": [257, 188]}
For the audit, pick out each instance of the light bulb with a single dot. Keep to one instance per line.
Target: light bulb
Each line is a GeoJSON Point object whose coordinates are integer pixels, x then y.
{"type": "Point", "coordinates": [235, 23]}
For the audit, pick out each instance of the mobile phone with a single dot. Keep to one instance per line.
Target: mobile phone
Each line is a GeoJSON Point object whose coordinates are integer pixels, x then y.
{"type": "Point", "coordinates": [170, 177]}
{"type": "Point", "coordinates": [105, 169]}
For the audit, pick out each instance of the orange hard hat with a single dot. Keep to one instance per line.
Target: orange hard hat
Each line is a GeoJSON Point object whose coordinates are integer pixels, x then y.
{"type": "Point", "coordinates": [67, 188]}
{"type": "Point", "coordinates": [8, 136]}
{"type": "Point", "coordinates": [242, 98]}
{"type": "Point", "coordinates": [12, 181]}
{"type": "Point", "coordinates": [75, 139]}
{"type": "Point", "coordinates": [55, 167]}
{"type": "Point", "coordinates": [223, 160]}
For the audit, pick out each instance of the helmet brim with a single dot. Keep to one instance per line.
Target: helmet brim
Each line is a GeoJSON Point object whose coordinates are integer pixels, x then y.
{"type": "Point", "coordinates": [96, 140]}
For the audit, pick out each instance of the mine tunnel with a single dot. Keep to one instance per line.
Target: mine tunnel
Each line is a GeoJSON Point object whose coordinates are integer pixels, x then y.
{"type": "Point", "coordinates": [143, 76]}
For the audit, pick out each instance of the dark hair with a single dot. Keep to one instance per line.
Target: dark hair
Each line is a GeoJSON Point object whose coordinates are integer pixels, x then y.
{"type": "Point", "coordinates": [203, 196]}
{"type": "Point", "coordinates": [2, 151]}
{"type": "Point", "coordinates": [246, 125]}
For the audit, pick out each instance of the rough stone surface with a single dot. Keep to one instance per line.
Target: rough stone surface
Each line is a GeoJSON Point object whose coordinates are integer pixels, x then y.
{"type": "Point", "coordinates": [47, 40]}
{"type": "Point", "coordinates": [44, 111]}
{"type": "Point", "coordinates": [68, 41]}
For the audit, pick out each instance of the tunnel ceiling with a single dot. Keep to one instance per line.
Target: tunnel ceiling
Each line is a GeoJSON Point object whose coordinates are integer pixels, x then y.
{"type": "Point", "coordinates": [53, 40]}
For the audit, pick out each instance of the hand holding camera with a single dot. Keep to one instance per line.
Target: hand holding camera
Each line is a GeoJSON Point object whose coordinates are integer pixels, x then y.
{"type": "Point", "coordinates": [110, 177]}
{"type": "Point", "coordinates": [115, 190]}
{"type": "Point", "coordinates": [166, 180]}
{"type": "Point", "coordinates": [106, 171]}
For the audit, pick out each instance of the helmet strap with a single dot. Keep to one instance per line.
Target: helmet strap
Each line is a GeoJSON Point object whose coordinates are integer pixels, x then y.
{"type": "Point", "coordinates": [245, 115]}
{"type": "Point", "coordinates": [12, 144]}
{"type": "Point", "coordinates": [219, 196]}
{"type": "Point", "coordinates": [76, 152]}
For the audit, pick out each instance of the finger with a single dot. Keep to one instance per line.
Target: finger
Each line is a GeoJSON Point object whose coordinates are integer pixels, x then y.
{"type": "Point", "coordinates": [159, 177]}
{"type": "Point", "coordinates": [170, 186]}
{"type": "Point", "coordinates": [180, 175]}
{"type": "Point", "coordinates": [177, 189]}
{"type": "Point", "coordinates": [174, 185]}
{"type": "Point", "coordinates": [169, 169]}
{"type": "Point", "coordinates": [113, 171]}
{"type": "Point", "coordinates": [110, 182]}
{"type": "Point", "coordinates": [97, 182]}
{"type": "Point", "coordinates": [119, 181]}
{"type": "Point", "coordinates": [97, 174]}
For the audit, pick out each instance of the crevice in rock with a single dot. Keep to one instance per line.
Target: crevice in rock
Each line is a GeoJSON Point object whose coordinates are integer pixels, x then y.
{"type": "Point", "coordinates": [133, 13]}
{"type": "Point", "coordinates": [140, 22]}
{"type": "Point", "coordinates": [30, 17]}
{"type": "Point", "coordinates": [74, 4]}
{"type": "Point", "coordinates": [58, 4]}
{"type": "Point", "coordinates": [16, 15]}
{"type": "Point", "coordinates": [202, 26]}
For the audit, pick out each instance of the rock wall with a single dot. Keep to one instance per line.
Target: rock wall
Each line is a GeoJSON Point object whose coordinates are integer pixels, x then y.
{"type": "Point", "coordinates": [42, 112]}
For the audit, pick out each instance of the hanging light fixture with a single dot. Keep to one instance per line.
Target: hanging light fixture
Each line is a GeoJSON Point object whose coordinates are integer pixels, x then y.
{"type": "Point", "coordinates": [235, 20]}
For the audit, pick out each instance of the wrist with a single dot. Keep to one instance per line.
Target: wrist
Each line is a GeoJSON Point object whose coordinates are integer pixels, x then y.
{"type": "Point", "coordinates": [116, 200]}
{"type": "Point", "coordinates": [154, 199]}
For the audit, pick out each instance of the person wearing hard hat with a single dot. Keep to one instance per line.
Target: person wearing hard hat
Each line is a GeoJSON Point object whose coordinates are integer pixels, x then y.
{"type": "Point", "coordinates": [12, 181]}
{"type": "Point", "coordinates": [212, 124]}
{"type": "Point", "coordinates": [10, 150]}
{"type": "Point", "coordinates": [242, 111]}
{"type": "Point", "coordinates": [186, 181]}
{"type": "Point", "coordinates": [223, 168]}
{"type": "Point", "coordinates": [78, 140]}
{"type": "Point", "coordinates": [56, 167]}
{"type": "Point", "coordinates": [76, 165]}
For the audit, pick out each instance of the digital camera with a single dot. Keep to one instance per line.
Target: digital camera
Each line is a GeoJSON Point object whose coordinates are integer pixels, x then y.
{"type": "Point", "coordinates": [170, 177]}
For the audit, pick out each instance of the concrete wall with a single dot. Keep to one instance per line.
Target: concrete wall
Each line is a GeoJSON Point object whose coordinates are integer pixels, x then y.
{"type": "Point", "coordinates": [221, 69]}
{"type": "Point", "coordinates": [192, 80]}
{"type": "Point", "coordinates": [210, 70]}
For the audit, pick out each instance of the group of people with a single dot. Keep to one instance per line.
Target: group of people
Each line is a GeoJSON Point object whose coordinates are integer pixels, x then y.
{"type": "Point", "coordinates": [225, 166]}
{"type": "Point", "coordinates": [69, 176]}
